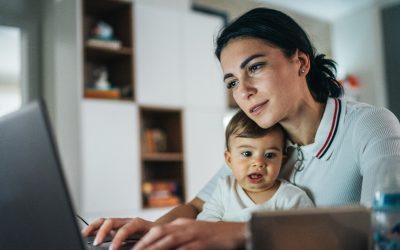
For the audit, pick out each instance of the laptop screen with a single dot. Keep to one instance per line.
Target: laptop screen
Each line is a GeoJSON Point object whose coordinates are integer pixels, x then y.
{"type": "Point", "coordinates": [345, 228]}
{"type": "Point", "coordinates": [35, 207]}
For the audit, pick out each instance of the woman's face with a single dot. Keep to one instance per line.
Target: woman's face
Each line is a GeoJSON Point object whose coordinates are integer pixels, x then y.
{"type": "Point", "coordinates": [266, 84]}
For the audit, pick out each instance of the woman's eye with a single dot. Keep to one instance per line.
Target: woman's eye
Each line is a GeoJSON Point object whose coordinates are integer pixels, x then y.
{"type": "Point", "coordinates": [246, 153]}
{"type": "Point", "coordinates": [232, 84]}
{"type": "Point", "coordinates": [270, 155]}
{"type": "Point", "coordinates": [253, 68]}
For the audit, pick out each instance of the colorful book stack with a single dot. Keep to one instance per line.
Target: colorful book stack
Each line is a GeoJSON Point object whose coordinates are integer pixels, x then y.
{"type": "Point", "coordinates": [160, 193]}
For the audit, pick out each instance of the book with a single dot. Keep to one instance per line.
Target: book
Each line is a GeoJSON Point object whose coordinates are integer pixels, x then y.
{"type": "Point", "coordinates": [155, 140]}
{"type": "Point", "coordinates": [106, 44]}
{"type": "Point", "coordinates": [166, 201]}
{"type": "Point", "coordinates": [159, 186]}
{"type": "Point", "coordinates": [160, 193]}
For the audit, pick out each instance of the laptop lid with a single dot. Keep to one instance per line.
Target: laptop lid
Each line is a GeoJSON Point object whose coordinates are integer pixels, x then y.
{"type": "Point", "coordinates": [344, 228]}
{"type": "Point", "coordinates": [35, 208]}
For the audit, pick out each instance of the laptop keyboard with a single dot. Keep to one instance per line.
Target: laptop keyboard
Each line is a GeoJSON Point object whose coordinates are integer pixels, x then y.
{"type": "Point", "coordinates": [105, 246]}
{"type": "Point", "coordinates": [128, 244]}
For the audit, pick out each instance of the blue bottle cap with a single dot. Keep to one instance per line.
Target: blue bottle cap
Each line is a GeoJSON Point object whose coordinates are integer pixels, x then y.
{"type": "Point", "coordinates": [386, 201]}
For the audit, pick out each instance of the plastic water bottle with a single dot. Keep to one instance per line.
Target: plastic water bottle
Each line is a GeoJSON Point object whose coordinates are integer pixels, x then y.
{"type": "Point", "coordinates": [386, 209]}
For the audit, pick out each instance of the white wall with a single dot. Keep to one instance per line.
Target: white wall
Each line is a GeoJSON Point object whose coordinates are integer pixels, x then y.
{"type": "Point", "coordinates": [110, 158]}
{"type": "Point", "coordinates": [205, 101]}
{"type": "Point", "coordinates": [357, 48]}
{"type": "Point", "coordinates": [318, 30]}
{"type": "Point", "coordinates": [62, 88]}
{"type": "Point", "coordinates": [158, 55]}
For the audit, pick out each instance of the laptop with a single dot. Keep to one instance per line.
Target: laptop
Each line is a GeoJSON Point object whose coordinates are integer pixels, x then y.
{"type": "Point", "coordinates": [35, 207]}
{"type": "Point", "coordinates": [340, 228]}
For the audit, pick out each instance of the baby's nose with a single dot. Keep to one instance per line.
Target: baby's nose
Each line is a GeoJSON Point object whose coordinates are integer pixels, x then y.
{"type": "Point", "coordinates": [258, 164]}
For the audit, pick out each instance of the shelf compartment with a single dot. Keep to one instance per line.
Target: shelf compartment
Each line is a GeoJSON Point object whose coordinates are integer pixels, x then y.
{"type": "Point", "coordinates": [119, 74]}
{"type": "Point", "coordinates": [114, 57]}
{"type": "Point", "coordinates": [163, 172]}
{"type": "Point", "coordinates": [162, 153]}
{"type": "Point", "coordinates": [168, 122]}
{"type": "Point", "coordinates": [116, 13]}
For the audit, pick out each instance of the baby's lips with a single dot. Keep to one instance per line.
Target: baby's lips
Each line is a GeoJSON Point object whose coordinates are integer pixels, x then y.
{"type": "Point", "coordinates": [255, 175]}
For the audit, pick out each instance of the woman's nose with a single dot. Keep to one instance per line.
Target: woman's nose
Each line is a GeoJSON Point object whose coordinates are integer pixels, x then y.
{"type": "Point", "coordinates": [246, 89]}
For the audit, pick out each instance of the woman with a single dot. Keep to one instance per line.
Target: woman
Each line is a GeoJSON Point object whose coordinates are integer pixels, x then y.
{"type": "Point", "coordinates": [275, 76]}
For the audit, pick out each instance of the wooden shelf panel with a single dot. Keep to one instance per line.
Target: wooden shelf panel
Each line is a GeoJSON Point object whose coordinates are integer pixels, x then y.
{"type": "Point", "coordinates": [165, 206]}
{"type": "Point", "coordinates": [100, 52]}
{"type": "Point", "coordinates": [162, 156]}
{"type": "Point", "coordinates": [106, 6]}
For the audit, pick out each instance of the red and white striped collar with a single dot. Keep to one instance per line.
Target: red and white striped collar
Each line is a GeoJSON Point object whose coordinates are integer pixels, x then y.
{"type": "Point", "coordinates": [322, 147]}
{"type": "Point", "coordinates": [328, 128]}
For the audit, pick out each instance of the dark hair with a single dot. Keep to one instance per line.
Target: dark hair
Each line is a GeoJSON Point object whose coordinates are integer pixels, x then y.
{"type": "Point", "coordinates": [241, 125]}
{"type": "Point", "coordinates": [278, 29]}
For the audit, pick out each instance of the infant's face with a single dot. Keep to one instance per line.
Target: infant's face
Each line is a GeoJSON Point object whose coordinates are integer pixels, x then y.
{"type": "Point", "coordinates": [256, 162]}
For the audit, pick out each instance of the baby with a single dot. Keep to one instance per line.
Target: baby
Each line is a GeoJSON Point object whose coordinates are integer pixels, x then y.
{"type": "Point", "coordinates": [255, 156]}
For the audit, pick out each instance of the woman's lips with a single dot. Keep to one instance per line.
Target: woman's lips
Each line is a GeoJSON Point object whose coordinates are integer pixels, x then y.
{"type": "Point", "coordinates": [256, 109]}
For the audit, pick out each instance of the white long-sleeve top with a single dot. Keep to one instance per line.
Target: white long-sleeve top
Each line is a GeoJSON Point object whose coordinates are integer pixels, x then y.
{"type": "Point", "coordinates": [229, 202]}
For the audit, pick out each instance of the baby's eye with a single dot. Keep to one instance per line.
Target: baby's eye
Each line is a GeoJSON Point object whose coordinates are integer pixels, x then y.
{"type": "Point", "coordinates": [246, 153]}
{"type": "Point", "coordinates": [270, 155]}
{"type": "Point", "coordinates": [232, 84]}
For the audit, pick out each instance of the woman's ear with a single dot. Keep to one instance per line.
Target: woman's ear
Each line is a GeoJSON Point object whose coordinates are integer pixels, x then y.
{"type": "Point", "coordinates": [304, 60]}
{"type": "Point", "coordinates": [228, 158]}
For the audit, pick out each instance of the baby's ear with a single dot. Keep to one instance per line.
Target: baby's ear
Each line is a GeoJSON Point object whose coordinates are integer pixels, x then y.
{"type": "Point", "coordinates": [284, 158]}
{"type": "Point", "coordinates": [228, 158]}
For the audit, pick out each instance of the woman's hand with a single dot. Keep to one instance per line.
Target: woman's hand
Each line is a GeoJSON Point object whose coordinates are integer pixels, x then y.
{"type": "Point", "coordinates": [123, 227]}
{"type": "Point", "coordinates": [191, 234]}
